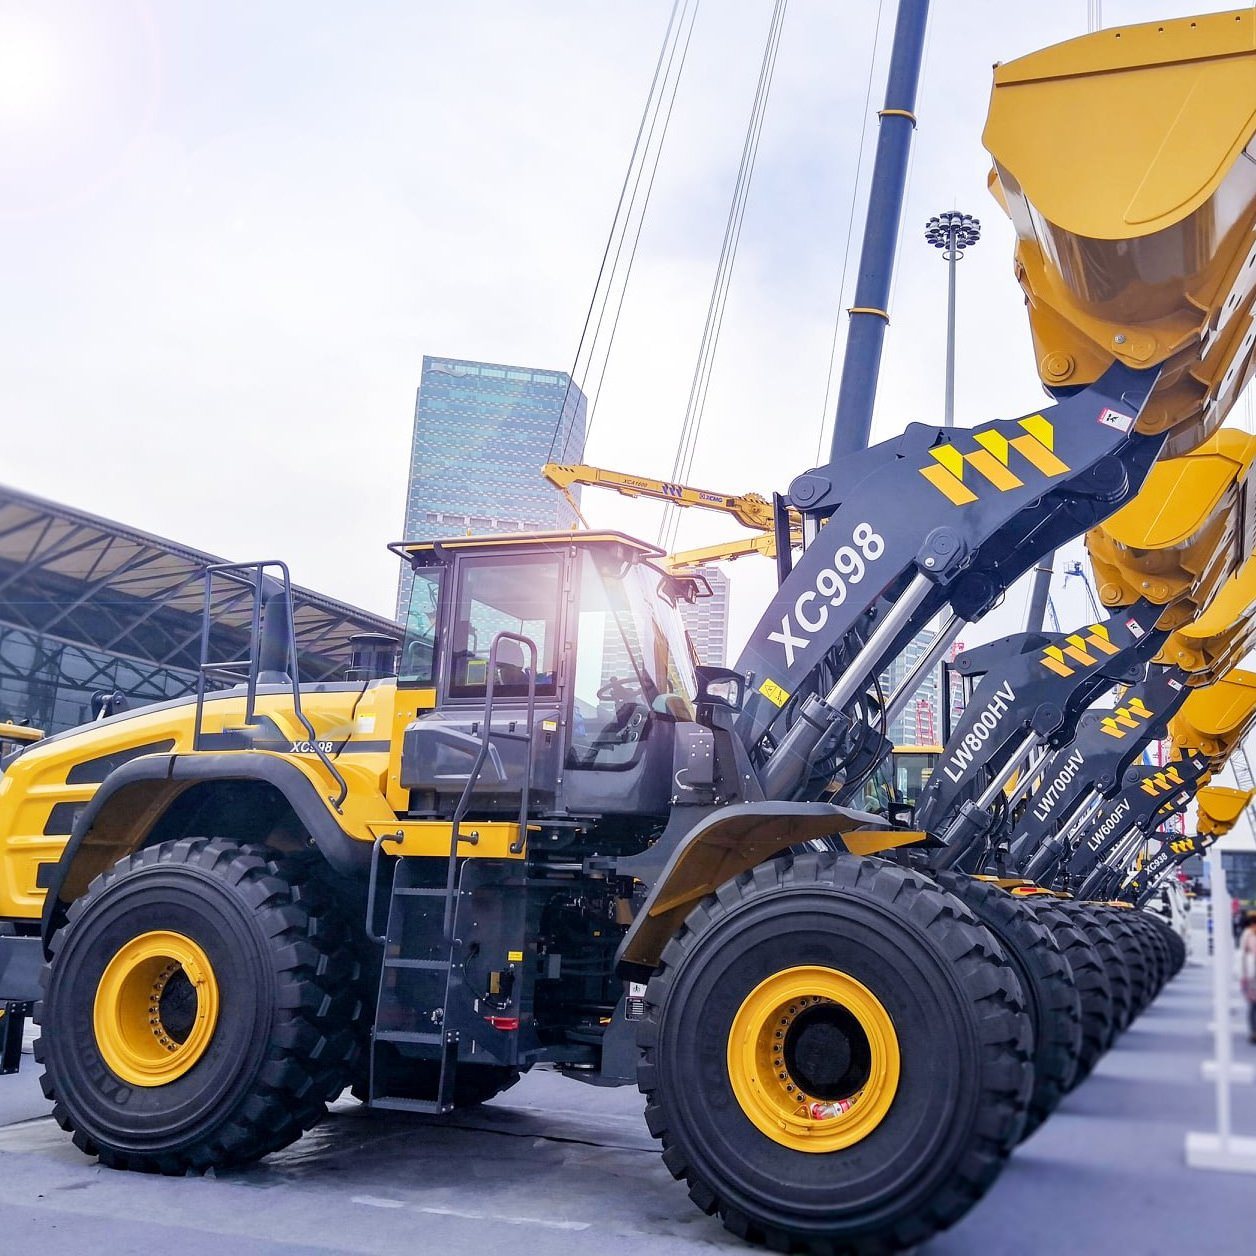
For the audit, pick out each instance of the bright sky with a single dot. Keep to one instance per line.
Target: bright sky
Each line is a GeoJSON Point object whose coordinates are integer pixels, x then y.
{"type": "Point", "coordinates": [230, 231]}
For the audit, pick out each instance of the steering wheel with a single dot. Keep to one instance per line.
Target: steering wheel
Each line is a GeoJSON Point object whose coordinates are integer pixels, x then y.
{"type": "Point", "coordinates": [615, 690]}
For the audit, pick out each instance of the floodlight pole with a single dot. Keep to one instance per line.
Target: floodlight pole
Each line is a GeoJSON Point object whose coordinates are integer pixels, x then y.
{"type": "Point", "coordinates": [951, 232]}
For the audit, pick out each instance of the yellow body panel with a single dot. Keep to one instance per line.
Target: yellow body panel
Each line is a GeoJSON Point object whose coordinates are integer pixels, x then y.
{"type": "Point", "coordinates": [1119, 157]}
{"type": "Point", "coordinates": [364, 728]}
{"type": "Point", "coordinates": [485, 839]}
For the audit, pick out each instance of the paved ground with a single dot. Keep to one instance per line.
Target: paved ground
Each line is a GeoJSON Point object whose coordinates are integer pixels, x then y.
{"type": "Point", "coordinates": [554, 1166]}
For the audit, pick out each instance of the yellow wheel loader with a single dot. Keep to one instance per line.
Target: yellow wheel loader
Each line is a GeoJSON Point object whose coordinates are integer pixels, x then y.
{"type": "Point", "coordinates": [549, 839]}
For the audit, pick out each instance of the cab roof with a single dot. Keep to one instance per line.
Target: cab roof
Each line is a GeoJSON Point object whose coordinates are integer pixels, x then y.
{"type": "Point", "coordinates": [512, 540]}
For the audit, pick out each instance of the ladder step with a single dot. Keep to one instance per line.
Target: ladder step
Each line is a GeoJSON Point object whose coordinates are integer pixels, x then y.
{"type": "Point", "coordinates": [397, 1103]}
{"type": "Point", "coordinates": [406, 1035]}
{"type": "Point", "coordinates": [426, 965]}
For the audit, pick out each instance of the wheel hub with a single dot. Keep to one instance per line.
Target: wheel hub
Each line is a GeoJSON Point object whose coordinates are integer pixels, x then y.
{"type": "Point", "coordinates": [813, 1059]}
{"type": "Point", "coordinates": [156, 1008]}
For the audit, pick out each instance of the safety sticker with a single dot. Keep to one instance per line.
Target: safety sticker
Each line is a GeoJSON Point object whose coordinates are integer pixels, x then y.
{"type": "Point", "coordinates": [514, 957]}
{"type": "Point", "coordinates": [1114, 418]}
{"type": "Point", "coordinates": [774, 693]}
{"type": "Point", "coordinates": [1175, 684]}
{"type": "Point", "coordinates": [1135, 627]}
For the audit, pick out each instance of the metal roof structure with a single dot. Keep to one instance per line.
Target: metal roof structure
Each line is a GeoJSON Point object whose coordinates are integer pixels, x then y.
{"type": "Point", "coordinates": [77, 580]}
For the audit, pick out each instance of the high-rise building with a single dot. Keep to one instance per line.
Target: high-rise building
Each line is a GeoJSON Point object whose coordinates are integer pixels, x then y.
{"type": "Point", "coordinates": [482, 432]}
{"type": "Point", "coordinates": [919, 723]}
{"type": "Point", "coordinates": [706, 620]}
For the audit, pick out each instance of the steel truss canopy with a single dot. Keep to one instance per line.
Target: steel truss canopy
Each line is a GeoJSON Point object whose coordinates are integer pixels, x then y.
{"type": "Point", "coordinates": [73, 578]}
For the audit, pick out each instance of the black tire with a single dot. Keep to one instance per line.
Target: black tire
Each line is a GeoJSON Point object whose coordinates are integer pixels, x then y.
{"type": "Point", "coordinates": [1173, 940]}
{"type": "Point", "coordinates": [1094, 989]}
{"type": "Point", "coordinates": [1153, 952]}
{"type": "Point", "coordinates": [957, 1013]}
{"type": "Point", "coordinates": [283, 1041]}
{"type": "Point", "coordinates": [1095, 925]}
{"type": "Point", "coordinates": [1154, 932]}
{"type": "Point", "coordinates": [1051, 997]}
{"type": "Point", "coordinates": [1134, 953]}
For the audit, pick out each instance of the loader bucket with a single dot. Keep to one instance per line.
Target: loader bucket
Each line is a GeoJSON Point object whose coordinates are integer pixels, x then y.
{"type": "Point", "coordinates": [1215, 720]}
{"type": "Point", "coordinates": [1125, 161]}
{"type": "Point", "coordinates": [1222, 635]}
{"type": "Point", "coordinates": [1220, 808]}
{"type": "Point", "coordinates": [1183, 535]}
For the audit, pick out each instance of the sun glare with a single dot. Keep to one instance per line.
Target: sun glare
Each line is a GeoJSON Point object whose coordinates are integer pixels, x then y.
{"type": "Point", "coordinates": [30, 70]}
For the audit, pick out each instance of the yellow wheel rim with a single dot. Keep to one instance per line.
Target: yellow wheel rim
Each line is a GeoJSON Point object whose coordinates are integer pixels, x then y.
{"type": "Point", "coordinates": [156, 1008]}
{"type": "Point", "coordinates": [813, 1059]}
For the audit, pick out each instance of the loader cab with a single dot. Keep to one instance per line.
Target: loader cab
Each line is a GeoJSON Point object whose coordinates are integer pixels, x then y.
{"type": "Point", "coordinates": [596, 644]}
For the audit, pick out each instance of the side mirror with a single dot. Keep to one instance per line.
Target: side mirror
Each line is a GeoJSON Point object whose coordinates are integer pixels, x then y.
{"type": "Point", "coordinates": [720, 687]}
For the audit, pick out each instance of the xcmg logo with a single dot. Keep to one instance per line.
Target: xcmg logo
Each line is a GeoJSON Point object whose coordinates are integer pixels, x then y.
{"type": "Point", "coordinates": [991, 461]}
{"type": "Point", "coordinates": [1163, 782]}
{"type": "Point", "coordinates": [1134, 713]}
{"type": "Point", "coordinates": [1096, 637]}
{"type": "Point", "coordinates": [1182, 845]}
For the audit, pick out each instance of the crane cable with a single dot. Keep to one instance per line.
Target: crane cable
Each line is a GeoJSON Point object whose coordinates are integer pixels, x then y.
{"type": "Point", "coordinates": [696, 405]}
{"type": "Point", "coordinates": [614, 272]}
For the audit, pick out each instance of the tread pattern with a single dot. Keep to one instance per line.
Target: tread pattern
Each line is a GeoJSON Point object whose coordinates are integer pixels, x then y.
{"type": "Point", "coordinates": [1048, 981]}
{"type": "Point", "coordinates": [1091, 979]}
{"type": "Point", "coordinates": [313, 1043]}
{"type": "Point", "coordinates": [982, 969]}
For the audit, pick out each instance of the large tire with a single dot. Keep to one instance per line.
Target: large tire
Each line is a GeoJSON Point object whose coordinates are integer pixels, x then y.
{"type": "Point", "coordinates": [1096, 927]}
{"type": "Point", "coordinates": [1094, 989]}
{"type": "Point", "coordinates": [1051, 997]}
{"type": "Point", "coordinates": [921, 1152]}
{"type": "Point", "coordinates": [1155, 939]}
{"type": "Point", "coordinates": [1175, 944]}
{"type": "Point", "coordinates": [236, 962]}
{"type": "Point", "coordinates": [1134, 953]}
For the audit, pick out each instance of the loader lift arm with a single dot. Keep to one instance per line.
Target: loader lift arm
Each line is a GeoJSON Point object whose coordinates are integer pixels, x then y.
{"type": "Point", "coordinates": [1165, 551]}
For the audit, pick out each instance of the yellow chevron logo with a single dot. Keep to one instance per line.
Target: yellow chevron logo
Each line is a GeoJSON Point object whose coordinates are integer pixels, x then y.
{"type": "Point", "coordinates": [1082, 650]}
{"type": "Point", "coordinates": [992, 461]}
{"type": "Point", "coordinates": [1182, 845]}
{"type": "Point", "coordinates": [1162, 782]}
{"type": "Point", "coordinates": [1125, 717]}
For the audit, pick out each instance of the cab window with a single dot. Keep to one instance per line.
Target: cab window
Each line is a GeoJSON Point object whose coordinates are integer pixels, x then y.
{"type": "Point", "coordinates": [519, 595]}
{"type": "Point", "coordinates": [418, 653]}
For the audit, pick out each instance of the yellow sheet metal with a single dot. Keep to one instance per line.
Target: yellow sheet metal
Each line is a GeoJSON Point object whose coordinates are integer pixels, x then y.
{"type": "Point", "coordinates": [1214, 720]}
{"type": "Point", "coordinates": [1120, 158]}
{"type": "Point", "coordinates": [1220, 808]}
{"type": "Point", "coordinates": [1183, 534]}
{"type": "Point", "coordinates": [1224, 632]}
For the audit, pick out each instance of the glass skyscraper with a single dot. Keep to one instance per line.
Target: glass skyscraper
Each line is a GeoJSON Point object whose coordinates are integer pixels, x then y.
{"type": "Point", "coordinates": [482, 432]}
{"type": "Point", "coordinates": [920, 722]}
{"type": "Point", "coordinates": [706, 620]}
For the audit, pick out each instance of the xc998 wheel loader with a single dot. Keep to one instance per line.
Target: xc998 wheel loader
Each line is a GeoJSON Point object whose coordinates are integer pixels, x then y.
{"type": "Point", "coordinates": [549, 839]}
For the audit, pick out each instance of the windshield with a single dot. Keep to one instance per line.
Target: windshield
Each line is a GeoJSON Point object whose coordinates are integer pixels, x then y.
{"type": "Point", "coordinates": [632, 644]}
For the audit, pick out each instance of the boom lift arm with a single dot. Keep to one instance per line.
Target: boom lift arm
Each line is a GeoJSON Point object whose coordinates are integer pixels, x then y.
{"type": "Point", "coordinates": [1219, 810]}
{"type": "Point", "coordinates": [1186, 530]}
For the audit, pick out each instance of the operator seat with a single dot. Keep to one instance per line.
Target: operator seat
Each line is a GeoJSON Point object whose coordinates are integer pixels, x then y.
{"type": "Point", "coordinates": [511, 672]}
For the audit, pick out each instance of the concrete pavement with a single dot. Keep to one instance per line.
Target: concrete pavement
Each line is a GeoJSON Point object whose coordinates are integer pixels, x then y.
{"type": "Point", "coordinates": [555, 1166]}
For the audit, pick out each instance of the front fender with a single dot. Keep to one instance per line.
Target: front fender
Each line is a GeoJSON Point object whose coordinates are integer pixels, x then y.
{"type": "Point", "coordinates": [133, 797]}
{"type": "Point", "coordinates": [732, 841]}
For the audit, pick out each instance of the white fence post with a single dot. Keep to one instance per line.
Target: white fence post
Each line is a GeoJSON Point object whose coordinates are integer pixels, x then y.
{"type": "Point", "coordinates": [1223, 1150]}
